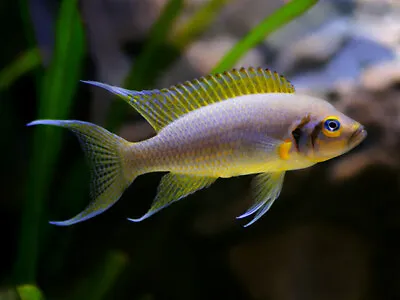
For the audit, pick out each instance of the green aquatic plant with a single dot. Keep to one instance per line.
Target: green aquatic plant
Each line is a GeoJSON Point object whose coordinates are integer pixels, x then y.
{"type": "Point", "coordinates": [56, 93]}
{"type": "Point", "coordinates": [196, 25]}
{"type": "Point", "coordinates": [102, 278]}
{"type": "Point", "coordinates": [279, 18]}
{"type": "Point", "coordinates": [29, 292]}
{"type": "Point", "coordinates": [25, 63]}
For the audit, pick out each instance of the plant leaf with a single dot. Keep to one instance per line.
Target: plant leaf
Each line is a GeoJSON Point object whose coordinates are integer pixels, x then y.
{"type": "Point", "coordinates": [29, 292]}
{"type": "Point", "coordinates": [56, 94]}
{"type": "Point", "coordinates": [280, 17]}
{"type": "Point", "coordinates": [26, 62]}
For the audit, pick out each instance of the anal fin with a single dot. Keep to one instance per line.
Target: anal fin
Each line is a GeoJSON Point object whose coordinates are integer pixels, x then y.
{"type": "Point", "coordinates": [266, 188]}
{"type": "Point", "coordinates": [174, 187]}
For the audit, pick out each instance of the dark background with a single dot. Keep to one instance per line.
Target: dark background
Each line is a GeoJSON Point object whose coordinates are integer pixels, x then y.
{"type": "Point", "coordinates": [332, 234]}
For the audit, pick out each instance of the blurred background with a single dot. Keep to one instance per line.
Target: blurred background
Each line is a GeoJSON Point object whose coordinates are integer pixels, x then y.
{"type": "Point", "coordinates": [332, 234]}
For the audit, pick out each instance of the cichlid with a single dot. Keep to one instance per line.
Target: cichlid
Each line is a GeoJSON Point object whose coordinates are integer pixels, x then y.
{"type": "Point", "coordinates": [247, 121]}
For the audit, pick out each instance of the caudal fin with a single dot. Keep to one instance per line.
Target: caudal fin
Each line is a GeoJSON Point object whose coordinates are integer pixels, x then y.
{"type": "Point", "coordinates": [103, 150]}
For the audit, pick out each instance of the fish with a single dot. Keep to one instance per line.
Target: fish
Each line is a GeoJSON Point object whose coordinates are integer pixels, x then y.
{"type": "Point", "coordinates": [238, 122]}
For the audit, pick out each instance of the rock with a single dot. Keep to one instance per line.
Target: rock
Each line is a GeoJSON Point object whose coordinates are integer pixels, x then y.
{"type": "Point", "coordinates": [382, 30]}
{"type": "Point", "coordinates": [239, 16]}
{"type": "Point", "coordinates": [318, 46]}
{"type": "Point", "coordinates": [381, 76]}
{"type": "Point", "coordinates": [204, 60]}
{"type": "Point", "coordinates": [379, 112]}
{"type": "Point", "coordinates": [201, 57]}
{"type": "Point", "coordinates": [346, 65]}
{"type": "Point", "coordinates": [316, 18]}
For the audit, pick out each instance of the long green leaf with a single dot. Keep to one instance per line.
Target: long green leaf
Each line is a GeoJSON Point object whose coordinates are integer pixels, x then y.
{"type": "Point", "coordinates": [280, 17]}
{"type": "Point", "coordinates": [29, 292]}
{"type": "Point", "coordinates": [102, 279]}
{"type": "Point", "coordinates": [28, 61]}
{"type": "Point", "coordinates": [56, 97]}
{"type": "Point", "coordinates": [21, 292]}
{"type": "Point", "coordinates": [198, 23]}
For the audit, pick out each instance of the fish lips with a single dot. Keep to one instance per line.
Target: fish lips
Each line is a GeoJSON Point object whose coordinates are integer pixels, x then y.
{"type": "Point", "coordinates": [358, 136]}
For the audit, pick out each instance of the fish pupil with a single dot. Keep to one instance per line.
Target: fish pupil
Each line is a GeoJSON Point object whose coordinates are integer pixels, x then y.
{"type": "Point", "coordinates": [332, 125]}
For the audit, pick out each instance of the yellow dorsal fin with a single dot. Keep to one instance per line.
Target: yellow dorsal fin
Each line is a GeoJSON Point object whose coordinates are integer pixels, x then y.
{"type": "Point", "coordinates": [161, 107]}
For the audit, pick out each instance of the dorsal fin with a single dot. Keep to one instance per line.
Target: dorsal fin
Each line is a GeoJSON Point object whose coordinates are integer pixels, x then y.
{"type": "Point", "coordinates": [161, 107]}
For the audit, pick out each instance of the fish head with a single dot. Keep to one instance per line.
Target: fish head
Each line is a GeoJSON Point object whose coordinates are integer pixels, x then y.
{"type": "Point", "coordinates": [327, 135]}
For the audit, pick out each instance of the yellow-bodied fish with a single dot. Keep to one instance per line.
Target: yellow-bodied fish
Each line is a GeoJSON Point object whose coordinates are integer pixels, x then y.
{"type": "Point", "coordinates": [247, 121]}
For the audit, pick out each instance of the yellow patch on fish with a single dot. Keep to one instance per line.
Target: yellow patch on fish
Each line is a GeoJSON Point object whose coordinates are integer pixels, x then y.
{"type": "Point", "coordinates": [284, 149]}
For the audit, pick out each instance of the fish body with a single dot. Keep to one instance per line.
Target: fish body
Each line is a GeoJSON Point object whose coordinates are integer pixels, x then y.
{"type": "Point", "coordinates": [247, 121]}
{"type": "Point", "coordinates": [228, 138]}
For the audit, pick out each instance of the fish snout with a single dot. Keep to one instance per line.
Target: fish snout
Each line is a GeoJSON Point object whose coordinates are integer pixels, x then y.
{"type": "Point", "coordinates": [359, 134]}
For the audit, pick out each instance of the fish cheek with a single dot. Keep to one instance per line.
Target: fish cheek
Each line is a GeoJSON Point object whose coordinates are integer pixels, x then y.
{"type": "Point", "coordinates": [329, 146]}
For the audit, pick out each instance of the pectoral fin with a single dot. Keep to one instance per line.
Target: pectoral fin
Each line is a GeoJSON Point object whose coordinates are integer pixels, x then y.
{"type": "Point", "coordinates": [174, 187]}
{"type": "Point", "coordinates": [266, 188]}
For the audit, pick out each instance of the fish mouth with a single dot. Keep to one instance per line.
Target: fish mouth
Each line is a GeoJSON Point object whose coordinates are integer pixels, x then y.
{"type": "Point", "coordinates": [358, 136]}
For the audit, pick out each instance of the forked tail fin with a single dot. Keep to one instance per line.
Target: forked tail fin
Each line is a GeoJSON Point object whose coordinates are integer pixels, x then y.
{"type": "Point", "coordinates": [104, 151]}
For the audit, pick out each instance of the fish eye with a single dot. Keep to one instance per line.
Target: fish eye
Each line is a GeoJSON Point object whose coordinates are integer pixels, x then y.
{"type": "Point", "coordinates": [331, 127]}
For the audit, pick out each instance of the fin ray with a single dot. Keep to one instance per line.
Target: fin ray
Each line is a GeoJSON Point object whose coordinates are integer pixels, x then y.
{"type": "Point", "coordinates": [174, 187]}
{"type": "Point", "coordinates": [103, 152]}
{"type": "Point", "coordinates": [266, 188]}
